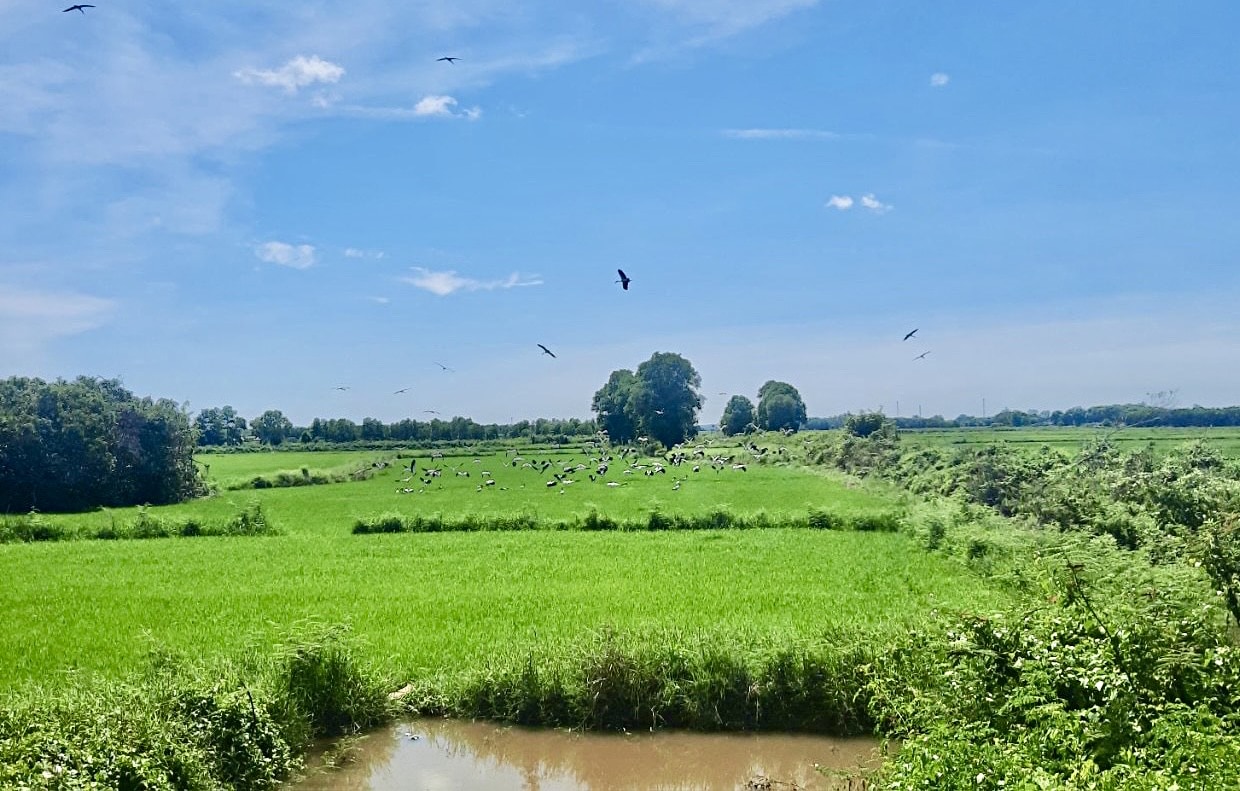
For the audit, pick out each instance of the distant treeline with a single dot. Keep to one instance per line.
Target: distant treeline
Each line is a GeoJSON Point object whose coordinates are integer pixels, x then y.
{"type": "Point", "coordinates": [1107, 415]}
{"type": "Point", "coordinates": [223, 427]}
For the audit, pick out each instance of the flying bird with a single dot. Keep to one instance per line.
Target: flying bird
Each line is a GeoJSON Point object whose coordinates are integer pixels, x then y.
{"type": "Point", "coordinates": [624, 280]}
{"type": "Point", "coordinates": [441, 365]}
{"type": "Point", "coordinates": [430, 411]}
{"type": "Point", "coordinates": [448, 58]}
{"type": "Point", "coordinates": [79, 7]}
{"type": "Point", "coordinates": [546, 350]}
{"type": "Point", "coordinates": [921, 356]}
{"type": "Point", "coordinates": [911, 334]}
{"type": "Point", "coordinates": [342, 387]}
{"type": "Point", "coordinates": [402, 390]}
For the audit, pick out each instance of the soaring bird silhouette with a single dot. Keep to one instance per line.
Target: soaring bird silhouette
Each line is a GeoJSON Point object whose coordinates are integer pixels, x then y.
{"type": "Point", "coordinates": [441, 365]}
{"type": "Point", "coordinates": [431, 411]}
{"type": "Point", "coordinates": [921, 356]}
{"type": "Point", "coordinates": [402, 390]}
{"type": "Point", "coordinates": [911, 334]}
{"type": "Point", "coordinates": [624, 280]}
{"type": "Point", "coordinates": [341, 387]}
{"type": "Point", "coordinates": [448, 58]}
{"type": "Point", "coordinates": [546, 350]}
{"type": "Point", "coordinates": [79, 7]}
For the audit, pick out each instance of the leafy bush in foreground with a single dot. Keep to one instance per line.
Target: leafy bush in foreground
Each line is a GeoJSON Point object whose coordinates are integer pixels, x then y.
{"type": "Point", "coordinates": [176, 729]}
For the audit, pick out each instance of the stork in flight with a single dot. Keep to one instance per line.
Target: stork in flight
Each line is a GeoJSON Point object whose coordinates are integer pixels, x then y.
{"type": "Point", "coordinates": [546, 350]}
{"type": "Point", "coordinates": [921, 356]}
{"type": "Point", "coordinates": [624, 280]}
{"type": "Point", "coordinates": [79, 7]}
{"type": "Point", "coordinates": [911, 334]}
{"type": "Point", "coordinates": [448, 58]}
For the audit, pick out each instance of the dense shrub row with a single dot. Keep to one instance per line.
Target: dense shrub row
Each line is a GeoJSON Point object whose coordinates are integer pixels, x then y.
{"type": "Point", "coordinates": [714, 520]}
{"type": "Point", "coordinates": [249, 521]}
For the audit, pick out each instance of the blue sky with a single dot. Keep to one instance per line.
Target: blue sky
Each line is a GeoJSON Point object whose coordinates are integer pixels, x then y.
{"type": "Point", "coordinates": [253, 203]}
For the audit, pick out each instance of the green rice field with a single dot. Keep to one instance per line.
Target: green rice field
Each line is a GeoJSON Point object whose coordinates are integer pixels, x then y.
{"type": "Point", "coordinates": [433, 603]}
{"type": "Point", "coordinates": [1226, 440]}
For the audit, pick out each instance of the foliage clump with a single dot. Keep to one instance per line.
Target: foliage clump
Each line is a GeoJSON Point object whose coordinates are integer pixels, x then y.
{"type": "Point", "coordinates": [72, 446]}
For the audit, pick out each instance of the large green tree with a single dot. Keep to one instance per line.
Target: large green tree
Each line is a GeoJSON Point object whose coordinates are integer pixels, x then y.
{"type": "Point", "coordinates": [611, 404]}
{"type": "Point", "coordinates": [665, 400]}
{"type": "Point", "coordinates": [272, 427]}
{"type": "Point", "coordinates": [68, 446]}
{"type": "Point", "coordinates": [736, 415]}
{"type": "Point", "coordinates": [780, 407]}
{"type": "Point", "coordinates": [220, 426]}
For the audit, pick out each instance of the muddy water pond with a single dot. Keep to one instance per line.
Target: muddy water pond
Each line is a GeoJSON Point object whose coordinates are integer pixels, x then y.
{"type": "Point", "coordinates": [444, 755]}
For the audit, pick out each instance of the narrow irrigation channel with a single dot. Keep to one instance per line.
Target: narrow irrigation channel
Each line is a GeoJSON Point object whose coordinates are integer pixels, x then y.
{"type": "Point", "coordinates": [454, 754]}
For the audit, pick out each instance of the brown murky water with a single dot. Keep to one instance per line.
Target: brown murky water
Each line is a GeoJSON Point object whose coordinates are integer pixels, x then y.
{"type": "Point", "coordinates": [445, 755]}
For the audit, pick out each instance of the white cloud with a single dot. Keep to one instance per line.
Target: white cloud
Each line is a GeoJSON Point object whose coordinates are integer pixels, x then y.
{"type": "Point", "coordinates": [443, 107]}
{"type": "Point", "coordinates": [781, 134]}
{"type": "Point", "coordinates": [299, 256]}
{"type": "Point", "coordinates": [874, 204]}
{"type": "Point", "coordinates": [297, 73]}
{"type": "Point", "coordinates": [841, 202]}
{"type": "Point", "coordinates": [448, 282]}
{"type": "Point", "coordinates": [379, 300]}
{"type": "Point", "coordinates": [28, 319]}
{"type": "Point", "coordinates": [354, 252]}
{"type": "Point", "coordinates": [939, 79]}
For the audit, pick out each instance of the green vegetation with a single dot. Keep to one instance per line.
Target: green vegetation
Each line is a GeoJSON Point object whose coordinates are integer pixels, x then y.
{"type": "Point", "coordinates": [780, 407]}
{"type": "Point", "coordinates": [90, 442]}
{"type": "Point", "coordinates": [661, 400]}
{"type": "Point", "coordinates": [1042, 617]}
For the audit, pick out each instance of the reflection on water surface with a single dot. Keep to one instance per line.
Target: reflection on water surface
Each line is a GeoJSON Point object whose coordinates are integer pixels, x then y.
{"type": "Point", "coordinates": [445, 755]}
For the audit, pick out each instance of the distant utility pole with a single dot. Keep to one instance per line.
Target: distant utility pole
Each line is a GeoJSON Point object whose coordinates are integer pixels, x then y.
{"type": "Point", "coordinates": [897, 407]}
{"type": "Point", "coordinates": [919, 410]}
{"type": "Point", "coordinates": [983, 407]}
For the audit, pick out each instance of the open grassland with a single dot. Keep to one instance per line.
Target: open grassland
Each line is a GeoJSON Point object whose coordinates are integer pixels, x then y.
{"type": "Point", "coordinates": [235, 470]}
{"type": "Point", "coordinates": [437, 602]}
{"type": "Point", "coordinates": [1072, 440]}
{"type": "Point", "coordinates": [331, 509]}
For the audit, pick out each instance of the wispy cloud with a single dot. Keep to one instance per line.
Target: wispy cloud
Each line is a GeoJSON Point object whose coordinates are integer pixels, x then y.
{"type": "Point", "coordinates": [448, 282]}
{"type": "Point", "coordinates": [299, 256]}
{"type": "Point", "coordinates": [297, 73]}
{"type": "Point", "coordinates": [841, 202]}
{"type": "Point", "coordinates": [354, 252]}
{"type": "Point", "coordinates": [781, 134]}
{"type": "Point", "coordinates": [379, 300]}
{"type": "Point", "coordinates": [939, 79]}
{"type": "Point", "coordinates": [28, 318]}
{"type": "Point", "coordinates": [433, 106]}
{"type": "Point", "coordinates": [704, 22]}
{"type": "Point", "coordinates": [874, 204]}
{"type": "Point", "coordinates": [443, 107]}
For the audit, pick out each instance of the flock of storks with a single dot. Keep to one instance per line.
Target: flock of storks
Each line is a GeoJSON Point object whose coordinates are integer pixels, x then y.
{"type": "Point", "coordinates": [600, 460]}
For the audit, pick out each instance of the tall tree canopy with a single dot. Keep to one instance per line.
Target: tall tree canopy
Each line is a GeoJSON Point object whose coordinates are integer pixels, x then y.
{"type": "Point", "coordinates": [665, 401]}
{"type": "Point", "coordinates": [67, 446]}
{"type": "Point", "coordinates": [220, 426]}
{"type": "Point", "coordinates": [611, 404]}
{"type": "Point", "coordinates": [272, 427]}
{"type": "Point", "coordinates": [780, 406]}
{"type": "Point", "coordinates": [736, 415]}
